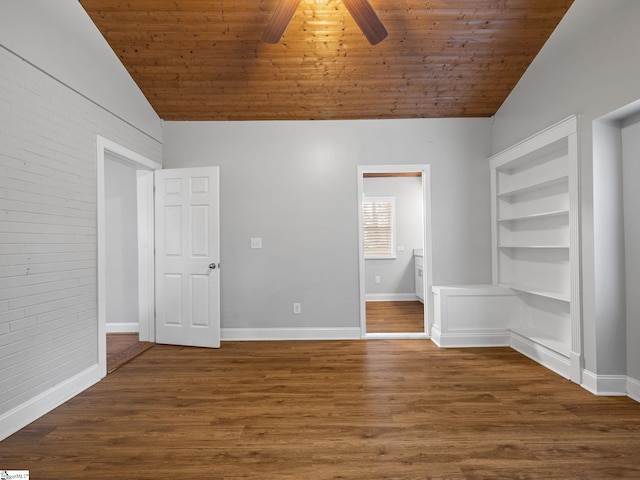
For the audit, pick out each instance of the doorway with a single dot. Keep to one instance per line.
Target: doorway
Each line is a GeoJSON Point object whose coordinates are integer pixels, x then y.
{"type": "Point", "coordinates": [616, 170]}
{"type": "Point", "coordinates": [395, 272]}
{"type": "Point", "coordinates": [146, 302]}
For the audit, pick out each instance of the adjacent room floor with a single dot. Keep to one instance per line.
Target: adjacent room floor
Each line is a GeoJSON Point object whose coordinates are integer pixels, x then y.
{"type": "Point", "coordinates": [122, 348]}
{"type": "Point", "coordinates": [395, 317]}
{"type": "Point", "coordinates": [379, 409]}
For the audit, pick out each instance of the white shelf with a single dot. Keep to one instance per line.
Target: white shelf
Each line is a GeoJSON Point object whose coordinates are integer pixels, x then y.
{"type": "Point", "coordinates": [535, 232]}
{"type": "Point", "coordinates": [539, 292]}
{"type": "Point", "coordinates": [539, 337]}
{"type": "Point", "coordinates": [534, 186]}
{"type": "Point", "coordinates": [555, 247]}
{"type": "Point", "coordinates": [533, 216]}
{"type": "Point", "coordinates": [535, 149]}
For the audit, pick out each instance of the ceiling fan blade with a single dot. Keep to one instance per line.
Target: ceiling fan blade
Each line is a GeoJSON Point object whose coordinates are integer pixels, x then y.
{"type": "Point", "coordinates": [282, 15]}
{"type": "Point", "coordinates": [367, 19]}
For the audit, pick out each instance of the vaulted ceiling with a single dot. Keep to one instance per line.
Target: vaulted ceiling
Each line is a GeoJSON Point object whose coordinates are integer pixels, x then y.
{"type": "Point", "coordinates": [204, 59]}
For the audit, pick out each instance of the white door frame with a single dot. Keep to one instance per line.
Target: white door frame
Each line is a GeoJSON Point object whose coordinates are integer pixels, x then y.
{"type": "Point", "coordinates": [425, 171]}
{"type": "Point", "coordinates": [145, 261]}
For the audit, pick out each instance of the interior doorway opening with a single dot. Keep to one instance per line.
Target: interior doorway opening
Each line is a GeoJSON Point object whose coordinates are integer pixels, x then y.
{"type": "Point", "coordinates": [144, 168]}
{"type": "Point", "coordinates": [395, 277]}
{"type": "Point", "coordinates": [616, 218]}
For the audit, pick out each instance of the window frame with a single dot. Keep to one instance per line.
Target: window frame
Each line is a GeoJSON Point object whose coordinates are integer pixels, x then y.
{"type": "Point", "coordinates": [380, 199]}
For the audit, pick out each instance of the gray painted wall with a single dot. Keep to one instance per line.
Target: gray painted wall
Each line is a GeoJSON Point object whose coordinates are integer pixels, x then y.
{"type": "Point", "coordinates": [631, 180]}
{"type": "Point", "coordinates": [588, 67]}
{"type": "Point", "coordinates": [608, 246]}
{"type": "Point", "coordinates": [121, 245]}
{"type": "Point", "coordinates": [295, 185]}
{"type": "Point", "coordinates": [59, 38]}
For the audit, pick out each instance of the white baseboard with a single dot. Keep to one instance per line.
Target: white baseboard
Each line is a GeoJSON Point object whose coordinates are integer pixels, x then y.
{"type": "Point", "coordinates": [471, 338]}
{"type": "Point", "coordinates": [435, 335]}
{"type": "Point", "coordinates": [541, 354]}
{"type": "Point", "coordinates": [31, 410]}
{"type": "Point", "coordinates": [633, 389]}
{"type": "Point", "coordinates": [605, 385]}
{"type": "Point", "coordinates": [236, 334]}
{"type": "Point", "coordinates": [392, 297]}
{"type": "Point", "coordinates": [123, 327]}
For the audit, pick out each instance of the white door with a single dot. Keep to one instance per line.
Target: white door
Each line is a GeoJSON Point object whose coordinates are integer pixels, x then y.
{"type": "Point", "coordinates": [187, 239]}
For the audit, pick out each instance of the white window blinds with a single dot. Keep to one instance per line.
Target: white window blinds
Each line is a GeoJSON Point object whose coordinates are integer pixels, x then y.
{"type": "Point", "coordinates": [378, 227]}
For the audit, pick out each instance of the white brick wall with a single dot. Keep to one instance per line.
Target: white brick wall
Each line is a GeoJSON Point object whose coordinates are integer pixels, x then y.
{"type": "Point", "coordinates": [48, 304]}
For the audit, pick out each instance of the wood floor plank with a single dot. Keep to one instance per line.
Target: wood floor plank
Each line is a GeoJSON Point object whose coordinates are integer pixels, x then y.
{"type": "Point", "coordinates": [123, 347]}
{"type": "Point", "coordinates": [384, 409]}
{"type": "Point", "coordinates": [395, 317]}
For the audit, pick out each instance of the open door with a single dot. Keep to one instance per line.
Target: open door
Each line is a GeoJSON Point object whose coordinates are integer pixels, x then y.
{"type": "Point", "coordinates": [187, 242]}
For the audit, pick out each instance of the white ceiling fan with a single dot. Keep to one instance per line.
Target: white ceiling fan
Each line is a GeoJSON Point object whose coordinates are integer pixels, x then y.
{"type": "Point", "coordinates": [361, 11]}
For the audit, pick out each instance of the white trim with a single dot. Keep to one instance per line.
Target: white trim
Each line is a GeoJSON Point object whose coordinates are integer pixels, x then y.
{"type": "Point", "coordinates": [633, 389]}
{"type": "Point", "coordinates": [436, 335]}
{"type": "Point", "coordinates": [123, 152]}
{"type": "Point", "coordinates": [252, 334]}
{"type": "Point", "coordinates": [123, 327]}
{"type": "Point", "coordinates": [31, 410]}
{"type": "Point", "coordinates": [427, 272]}
{"type": "Point", "coordinates": [103, 146]}
{"type": "Point", "coordinates": [392, 297]}
{"type": "Point", "coordinates": [473, 290]}
{"type": "Point", "coordinates": [397, 336]}
{"type": "Point", "coordinates": [604, 385]}
{"type": "Point", "coordinates": [146, 257]}
{"type": "Point", "coordinates": [102, 258]}
{"type": "Point", "coordinates": [541, 354]}
{"type": "Point", "coordinates": [425, 171]}
{"type": "Point", "coordinates": [494, 229]}
{"type": "Point", "coordinates": [490, 337]}
{"type": "Point", "coordinates": [557, 131]}
{"type": "Point", "coordinates": [575, 256]}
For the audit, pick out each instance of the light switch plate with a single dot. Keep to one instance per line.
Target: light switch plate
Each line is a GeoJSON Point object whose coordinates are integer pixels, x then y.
{"type": "Point", "coordinates": [256, 242]}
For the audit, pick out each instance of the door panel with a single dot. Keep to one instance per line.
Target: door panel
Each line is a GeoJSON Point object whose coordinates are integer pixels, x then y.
{"type": "Point", "coordinates": [187, 243]}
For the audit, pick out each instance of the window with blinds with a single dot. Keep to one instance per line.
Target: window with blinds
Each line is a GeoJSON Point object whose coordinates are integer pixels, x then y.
{"type": "Point", "coordinates": [378, 219]}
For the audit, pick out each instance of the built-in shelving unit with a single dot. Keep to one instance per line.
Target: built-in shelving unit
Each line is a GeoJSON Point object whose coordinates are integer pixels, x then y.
{"type": "Point", "coordinates": [535, 243]}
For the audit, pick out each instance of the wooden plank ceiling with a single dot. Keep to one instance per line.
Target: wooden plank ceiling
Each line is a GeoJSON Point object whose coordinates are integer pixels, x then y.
{"type": "Point", "coordinates": [204, 60]}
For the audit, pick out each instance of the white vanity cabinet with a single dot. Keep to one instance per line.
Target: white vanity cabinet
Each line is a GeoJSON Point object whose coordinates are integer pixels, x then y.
{"type": "Point", "coordinates": [418, 259]}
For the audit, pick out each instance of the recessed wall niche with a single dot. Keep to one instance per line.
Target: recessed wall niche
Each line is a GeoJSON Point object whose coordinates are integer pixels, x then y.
{"type": "Point", "coordinates": [616, 201]}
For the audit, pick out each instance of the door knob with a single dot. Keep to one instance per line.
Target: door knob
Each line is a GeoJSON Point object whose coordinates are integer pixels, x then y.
{"type": "Point", "coordinates": [213, 266]}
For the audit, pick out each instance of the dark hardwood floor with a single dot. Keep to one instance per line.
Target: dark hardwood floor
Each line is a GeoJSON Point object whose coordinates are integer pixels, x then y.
{"type": "Point", "coordinates": [380, 409]}
{"type": "Point", "coordinates": [395, 317]}
{"type": "Point", "coordinates": [122, 348]}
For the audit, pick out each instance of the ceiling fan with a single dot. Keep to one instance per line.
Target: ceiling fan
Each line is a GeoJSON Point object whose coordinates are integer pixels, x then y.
{"type": "Point", "coordinates": [361, 11]}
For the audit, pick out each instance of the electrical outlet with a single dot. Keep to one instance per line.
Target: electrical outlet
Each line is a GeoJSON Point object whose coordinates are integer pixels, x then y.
{"type": "Point", "coordinates": [256, 242]}
{"type": "Point", "coordinates": [377, 279]}
{"type": "Point", "coordinates": [297, 308]}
